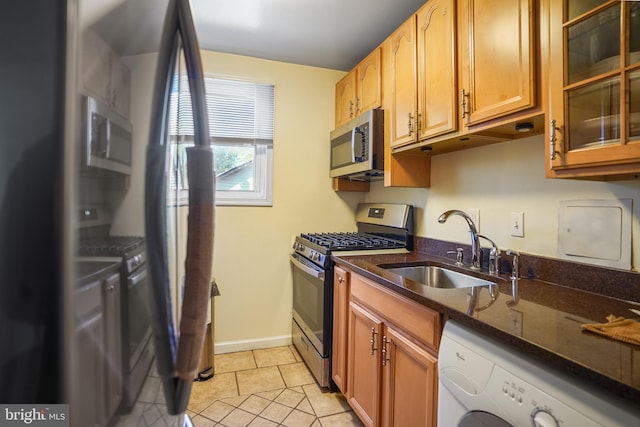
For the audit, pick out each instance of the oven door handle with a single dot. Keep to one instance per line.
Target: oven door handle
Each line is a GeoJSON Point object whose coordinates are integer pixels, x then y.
{"type": "Point", "coordinates": [317, 273]}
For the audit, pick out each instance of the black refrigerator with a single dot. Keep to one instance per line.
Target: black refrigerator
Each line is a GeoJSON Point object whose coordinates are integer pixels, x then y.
{"type": "Point", "coordinates": [89, 323]}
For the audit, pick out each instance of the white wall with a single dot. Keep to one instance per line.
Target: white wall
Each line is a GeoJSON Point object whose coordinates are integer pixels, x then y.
{"type": "Point", "coordinates": [252, 246]}
{"type": "Point", "coordinates": [500, 179]}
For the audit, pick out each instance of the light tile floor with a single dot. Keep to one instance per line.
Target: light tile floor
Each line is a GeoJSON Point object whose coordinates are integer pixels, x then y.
{"type": "Point", "coordinates": [266, 387]}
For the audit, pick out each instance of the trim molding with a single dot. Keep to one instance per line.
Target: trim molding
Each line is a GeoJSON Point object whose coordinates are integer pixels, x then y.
{"type": "Point", "coordinates": [253, 344]}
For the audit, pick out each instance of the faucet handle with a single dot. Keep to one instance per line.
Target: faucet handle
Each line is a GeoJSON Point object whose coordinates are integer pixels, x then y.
{"type": "Point", "coordinates": [514, 268]}
{"type": "Point", "coordinates": [459, 256]}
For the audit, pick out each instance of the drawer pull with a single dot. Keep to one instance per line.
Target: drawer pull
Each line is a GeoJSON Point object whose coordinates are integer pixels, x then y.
{"type": "Point", "coordinates": [373, 340]}
{"type": "Point", "coordinates": [386, 357]}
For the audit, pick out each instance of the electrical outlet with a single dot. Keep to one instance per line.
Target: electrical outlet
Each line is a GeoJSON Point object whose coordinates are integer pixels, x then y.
{"type": "Point", "coordinates": [475, 217]}
{"type": "Point", "coordinates": [517, 224]}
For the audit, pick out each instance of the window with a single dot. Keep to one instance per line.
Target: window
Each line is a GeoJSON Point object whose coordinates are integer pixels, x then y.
{"type": "Point", "coordinates": [241, 131]}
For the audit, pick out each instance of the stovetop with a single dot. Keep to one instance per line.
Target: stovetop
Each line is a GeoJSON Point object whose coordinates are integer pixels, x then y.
{"type": "Point", "coordinates": [381, 227]}
{"type": "Point", "coordinates": [110, 246]}
{"type": "Point", "coordinates": [351, 241]}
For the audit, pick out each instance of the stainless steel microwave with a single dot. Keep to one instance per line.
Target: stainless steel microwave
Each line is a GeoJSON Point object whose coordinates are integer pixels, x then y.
{"type": "Point", "coordinates": [108, 141]}
{"type": "Point", "coordinates": [357, 147]}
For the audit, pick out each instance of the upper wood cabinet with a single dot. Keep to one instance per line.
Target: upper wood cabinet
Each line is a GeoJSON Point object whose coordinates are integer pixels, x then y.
{"type": "Point", "coordinates": [402, 84]}
{"type": "Point", "coordinates": [497, 58]}
{"type": "Point", "coordinates": [437, 70]}
{"type": "Point", "coordinates": [345, 98]}
{"type": "Point", "coordinates": [594, 89]}
{"type": "Point", "coordinates": [369, 82]}
{"type": "Point", "coordinates": [360, 90]}
{"type": "Point", "coordinates": [400, 107]}
{"type": "Point", "coordinates": [463, 68]}
{"type": "Point", "coordinates": [104, 75]}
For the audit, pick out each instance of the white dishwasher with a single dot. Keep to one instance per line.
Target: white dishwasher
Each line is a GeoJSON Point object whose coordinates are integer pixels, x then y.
{"type": "Point", "coordinates": [482, 383]}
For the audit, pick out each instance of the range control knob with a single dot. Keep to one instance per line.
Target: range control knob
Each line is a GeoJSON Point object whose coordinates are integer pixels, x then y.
{"type": "Point", "coordinates": [543, 418]}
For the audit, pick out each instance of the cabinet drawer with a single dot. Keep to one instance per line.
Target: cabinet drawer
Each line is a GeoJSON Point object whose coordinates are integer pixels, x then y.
{"type": "Point", "coordinates": [416, 320]}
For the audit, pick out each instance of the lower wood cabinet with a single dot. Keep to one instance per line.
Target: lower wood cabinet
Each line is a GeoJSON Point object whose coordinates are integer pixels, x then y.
{"type": "Point", "coordinates": [340, 327]}
{"type": "Point", "coordinates": [364, 368]}
{"type": "Point", "coordinates": [391, 354]}
{"type": "Point", "coordinates": [409, 386]}
{"type": "Point", "coordinates": [98, 343]}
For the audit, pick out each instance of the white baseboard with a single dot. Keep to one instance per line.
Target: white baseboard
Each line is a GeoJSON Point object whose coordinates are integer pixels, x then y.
{"type": "Point", "coordinates": [245, 345]}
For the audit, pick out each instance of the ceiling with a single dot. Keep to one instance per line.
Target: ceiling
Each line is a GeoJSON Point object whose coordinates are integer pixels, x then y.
{"type": "Point", "coordinates": [333, 34]}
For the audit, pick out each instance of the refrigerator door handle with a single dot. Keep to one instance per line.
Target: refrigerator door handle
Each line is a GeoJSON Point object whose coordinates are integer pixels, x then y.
{"type": "Point", "coordinates": [178, 361]}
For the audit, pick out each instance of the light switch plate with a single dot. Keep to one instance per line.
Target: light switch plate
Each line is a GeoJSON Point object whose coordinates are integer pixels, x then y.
{"type": "Point", "coordinates": [516, 224]}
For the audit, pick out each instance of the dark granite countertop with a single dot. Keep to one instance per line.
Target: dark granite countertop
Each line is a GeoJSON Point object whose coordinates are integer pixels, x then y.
{"type": "Point", "coordinates": [543, 319]}
{"type": "Point", "coordinates": [89, 271]}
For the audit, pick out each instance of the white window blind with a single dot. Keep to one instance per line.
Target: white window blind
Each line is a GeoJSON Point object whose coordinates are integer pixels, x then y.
{"type": "Point", "coordinates": [241, 116]}
{"type": "Point", "coordinates": [238, 110]}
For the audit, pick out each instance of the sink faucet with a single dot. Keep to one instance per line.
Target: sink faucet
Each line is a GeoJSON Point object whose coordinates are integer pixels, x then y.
{"type": "Point", "coordinates": [475, 241]}
{"type": "Point", "coordinates": [515, 262]}
{"type": "Point", "coordinates": [494, 256]}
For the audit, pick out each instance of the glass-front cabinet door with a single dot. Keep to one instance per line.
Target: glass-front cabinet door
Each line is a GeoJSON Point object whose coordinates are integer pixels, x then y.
{"type": "Point", "coordinates": [594, 88]}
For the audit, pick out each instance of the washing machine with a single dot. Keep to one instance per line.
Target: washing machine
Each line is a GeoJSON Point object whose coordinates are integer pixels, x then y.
{"type": "Point", "coordinates": [483, 383]}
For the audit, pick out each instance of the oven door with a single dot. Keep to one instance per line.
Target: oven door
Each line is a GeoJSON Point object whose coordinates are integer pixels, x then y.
{"type": "Point", "coordinates": [139, 322]}
{"type": "Point", "coordinates": [309, 302]}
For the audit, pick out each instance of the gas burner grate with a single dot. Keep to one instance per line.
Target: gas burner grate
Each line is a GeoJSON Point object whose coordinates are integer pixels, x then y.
{"type": "Point", "coordinates": [110, 246]}
{"type": "Point", "coordinates": [351, 241]}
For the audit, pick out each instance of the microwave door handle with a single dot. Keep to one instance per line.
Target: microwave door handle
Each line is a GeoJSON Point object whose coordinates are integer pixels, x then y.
{"type": "Point", "coordinates": [354, 132]}
{"type": "Point", "coordinates": [107, 135]}
{"type": "Point", "coordinates": [357, 159]}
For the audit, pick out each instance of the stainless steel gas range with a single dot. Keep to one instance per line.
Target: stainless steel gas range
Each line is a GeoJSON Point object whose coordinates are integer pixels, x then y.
{"type": "Point", "coordinates": [133, 339]}
{"type": "Point", "coordinates": [383, 228]}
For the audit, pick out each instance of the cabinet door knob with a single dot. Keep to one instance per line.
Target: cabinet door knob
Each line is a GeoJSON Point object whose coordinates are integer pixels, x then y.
{"type": "Point", "coordinates": [373, 340]}
{"type": "Point", "coordinates": [386, 357]}
{"type": "Point", "coordinates": [553, 140]}
{"type": "Point", "coordinates": [410, 124]}
{"type": "Point", "coordinates": [464, 104]}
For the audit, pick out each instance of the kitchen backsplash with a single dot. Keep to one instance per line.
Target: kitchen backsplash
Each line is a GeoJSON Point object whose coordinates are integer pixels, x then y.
{"type": "Point", "coordinates": [599, 280]}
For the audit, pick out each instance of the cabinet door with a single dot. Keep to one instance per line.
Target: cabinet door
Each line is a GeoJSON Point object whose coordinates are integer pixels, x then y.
{"type": "Point", "coordinates": [497, 61]}
{"type": "Point", "coordinates": [345, 98]}
{"type": "Point", "coordinates": [113, 343]}
{"type": "Point", "coordinates": [119, 87]}
{"type": "Point", "coordinates": [340, 328]}
{"type": "Point", "coordinates": [401, 48]}
{"type": "Point", "coordinates": [594, 89]}
{"type": "Point", "coordinates": [369, 81]}
{"type": "Point", "coordinates": [437, 86]}
{"type": "Point", "coordinates": [90, 372]}
{"type": "Point", "coordinates": [363, 387]}
{"type": "Point", "coordinates": [95, 63]}
{"type": "Point", "coordinates": [409, 382]}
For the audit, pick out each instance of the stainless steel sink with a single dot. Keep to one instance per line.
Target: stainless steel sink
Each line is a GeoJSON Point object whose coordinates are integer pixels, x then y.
{"type": "Point", "coordinates": [437, 277]}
